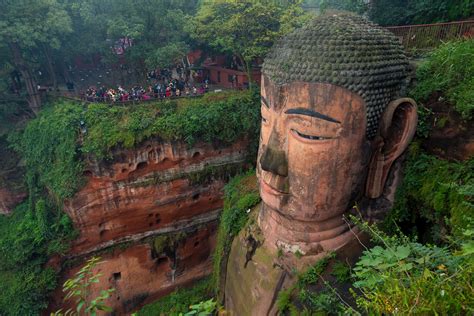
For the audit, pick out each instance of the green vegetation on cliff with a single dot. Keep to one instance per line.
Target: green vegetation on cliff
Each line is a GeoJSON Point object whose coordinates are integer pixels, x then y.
{"type": "Point", "coordinates": [449, 70]}
{"type": "Point", "coordinates": [178, 301]}
{"type": "Point", "coordinates": [49, 147]}
{"type": "Point", "coordinates": [53, 144]}
{"type": "Point", "coordinates": [27, 240]}
{"type": "Point", "coordinates": [241, 194]}
{"type": "Point", "coordinates": [400, 276]}
{"type": "Point", "coordinates": [436, 198]}
{"type": "Point", "coordinates": [402, 12]}
{"type": "Point", "coordinates": [313, 294]}
{"type": "Point", "coordinates": [215, 118]}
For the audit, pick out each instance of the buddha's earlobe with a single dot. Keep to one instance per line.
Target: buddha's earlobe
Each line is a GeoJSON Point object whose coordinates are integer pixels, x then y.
{"type": "Point", "coordinates": [396, 130]}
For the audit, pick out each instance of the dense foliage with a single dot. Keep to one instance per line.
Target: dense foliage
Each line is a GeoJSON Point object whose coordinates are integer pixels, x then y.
{"type": "Point", "coordinates": [436, 198]}
{"type": "Point", "coordinates": [402, 12]}
{"type": "Point", "coordinates": [49, 147]}
{"type": "Point", "coordinates": [215, 118]}
{"type": "Point", "coordinates": [241, 194]}
{"type": "Point", "coordinates": [53, 143]}
{"type": "Point", "coordinates": [30, 31]}
{"type": "Point", "coordinates": [178, 301]}
{"type": "Point", "coordinates": [405, 277]}
{"type": "Point", "coordinates": [27, 239]}
{"type": "Point", "coordinates": [449, 70]}
{"type": "Point", "coordinates": [156, 27]}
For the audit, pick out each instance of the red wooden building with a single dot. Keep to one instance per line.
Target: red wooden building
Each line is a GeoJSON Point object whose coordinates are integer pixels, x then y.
{"type": "Point", "coordinates": [230, 78]}
{"type": "Point", "coordinates": [218, 73]}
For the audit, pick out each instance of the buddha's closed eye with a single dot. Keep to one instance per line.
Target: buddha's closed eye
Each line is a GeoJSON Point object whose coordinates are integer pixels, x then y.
{"type": "Point", "coordinates": [309, 137]}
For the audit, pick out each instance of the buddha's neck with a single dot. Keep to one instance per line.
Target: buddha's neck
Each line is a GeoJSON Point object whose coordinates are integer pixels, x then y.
{"type": "Point", "coordinates": [306, 237]}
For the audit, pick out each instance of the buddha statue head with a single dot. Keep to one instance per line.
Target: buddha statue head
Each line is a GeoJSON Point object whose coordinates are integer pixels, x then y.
{"type": "Point", "coordinates": [333, 122]}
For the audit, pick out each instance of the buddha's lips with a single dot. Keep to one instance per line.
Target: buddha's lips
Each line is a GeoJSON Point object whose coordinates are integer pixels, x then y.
{"type": "Point", "coordinates": [269, 189]}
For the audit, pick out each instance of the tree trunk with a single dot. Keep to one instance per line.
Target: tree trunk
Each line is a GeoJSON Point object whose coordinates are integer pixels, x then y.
{"type": "Point", "coordinates": [248, 69]}
{"type": "Point", "coordinates": [49, 63]}
{"type": "Point", "coordinates": [34, 99]}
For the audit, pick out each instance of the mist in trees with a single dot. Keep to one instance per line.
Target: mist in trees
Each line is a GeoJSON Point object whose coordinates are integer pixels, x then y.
{"type": "Point", "coordinates": [41, 40]}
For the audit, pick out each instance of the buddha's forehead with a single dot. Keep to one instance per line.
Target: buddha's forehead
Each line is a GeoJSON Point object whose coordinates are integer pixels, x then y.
{"type": "Point", "coordinates": [309, 95]}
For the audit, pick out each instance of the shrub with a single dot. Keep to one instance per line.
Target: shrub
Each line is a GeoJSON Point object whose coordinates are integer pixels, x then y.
{"type": "Point", "coordinates": [79, 290]}
{"type": "Point", "coordinates": [404, 277]}
{"type": "Point", "coordinates": [178, 301]}
{"type": "Point", "coordinates": [341, 271]}
{"type": "Point", "coordinates": [27, 238]}
{"type": "Point", "coordinates": [449, 70]}
{"type": "Point", "coordinates": [212, 119]}
{"type": "Point", "coordinates": [49, 148]}
{"type": "Point", "coordinates": [438, 192]}
{"type": "Point", "coordinates": [204, 308]}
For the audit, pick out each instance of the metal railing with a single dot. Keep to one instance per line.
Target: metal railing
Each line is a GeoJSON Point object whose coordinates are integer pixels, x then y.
{"type": "Point", "coordinates": [81, 97]}
{"type": "Point", "coordinates": [428, 36]}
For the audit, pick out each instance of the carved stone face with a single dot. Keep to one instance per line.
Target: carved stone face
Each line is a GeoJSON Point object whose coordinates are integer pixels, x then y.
{"type": "Point", "coordinates": [313, 153]}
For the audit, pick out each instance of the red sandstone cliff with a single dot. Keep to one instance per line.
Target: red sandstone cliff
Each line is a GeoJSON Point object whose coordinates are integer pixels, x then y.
{"type": "Point", "coordinates": [141, 195]}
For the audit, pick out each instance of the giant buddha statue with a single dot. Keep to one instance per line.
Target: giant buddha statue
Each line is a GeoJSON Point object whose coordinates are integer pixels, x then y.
{"type": "Point", "coordinates": [334, 120]}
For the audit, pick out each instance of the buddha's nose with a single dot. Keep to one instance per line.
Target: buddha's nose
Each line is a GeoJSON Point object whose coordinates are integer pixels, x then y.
{"type": "Point", "coordinates": [273, 158]}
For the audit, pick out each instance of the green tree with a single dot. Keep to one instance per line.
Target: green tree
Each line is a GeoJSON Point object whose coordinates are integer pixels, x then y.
{"type": "Point", "coordinates": [358, 6]}
{"type": "Point", "coordinates": [27, 239]}
{"type": "Point", "coordinates": [30, 27]}
{"type": "Point", "coordinates": [401, 12]}
{"type": "Point", "coordinates": [163, 56]}
{"type": "Point", "coordinates": [244, 28]}
{"type": "Point", "coordinates": [156, 27]}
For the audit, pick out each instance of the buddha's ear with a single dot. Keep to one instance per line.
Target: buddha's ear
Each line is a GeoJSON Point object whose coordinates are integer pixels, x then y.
{"type": "Point", "coordinates": [396, 130]}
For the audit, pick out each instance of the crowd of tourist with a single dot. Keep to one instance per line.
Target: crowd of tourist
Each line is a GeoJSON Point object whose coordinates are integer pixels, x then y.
{"type": "Point", "coordinates": [160, 90]}
{"type": "Point", "coordinates": [164, 83]}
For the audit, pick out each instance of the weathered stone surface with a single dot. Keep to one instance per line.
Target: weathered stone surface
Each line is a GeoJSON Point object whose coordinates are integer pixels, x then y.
{"type": "Point", "coordinates": [147, 189]}
{"type": "Point", "coordinates": [9, 199]}
{"type": "Point", "coordinates": [450, 137]}
{"type": "Point", "coordinates": [254, 281]}
{"type": "Point", "coordinates": [141, 274]}
{"type": "Point", "coordinates": [252, 288]}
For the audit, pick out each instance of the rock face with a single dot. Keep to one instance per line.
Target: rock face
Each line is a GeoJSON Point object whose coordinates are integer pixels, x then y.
{"type": "Point", "coordinates": [12, 187]}
{"type": "Point", "coordinates": [144, 272]}
{"type": "Point", "coordinates": [151, 213]}
{"type": "Point", "coordinates": [450, 136]}
{"type": "Point", "coordinates": [9, 198]}
{"type": "Point", "coordinates": [149, 190]}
